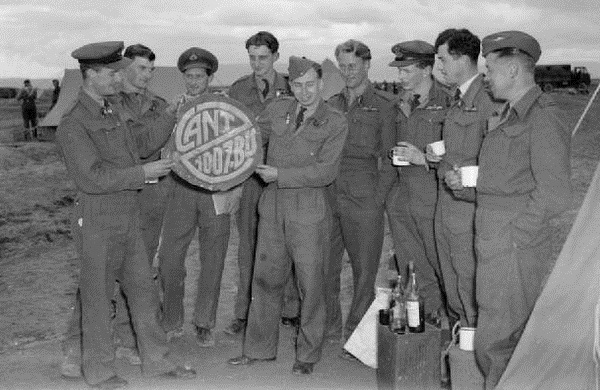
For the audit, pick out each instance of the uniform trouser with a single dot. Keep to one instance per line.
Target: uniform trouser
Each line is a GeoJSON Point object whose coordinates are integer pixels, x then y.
{"type": "Point", "coordinates": [294, 230]}
{"type": "Point", "coordinates": [509, 280]}
{"type": "Point", "coordinates": [187, 208]}
{"type": "Point", "coordinates": [358, 226]}
{"type": "Point", "coordinates": [454, 233]}
{"type": "Point", "coordinates": [247, 224]}
{"type": "Point", "coordinates": [412, 228]}
{"type": "Point", "coordinates": [153, 200]}
{"type": "Point", "coordinates": [30, 119]}
{"type": "Point", "coordinates": [113, 250]}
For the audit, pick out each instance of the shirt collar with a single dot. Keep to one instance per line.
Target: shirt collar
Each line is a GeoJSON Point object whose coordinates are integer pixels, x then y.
{"type": "Point", "coordinates": [464, 87]}
{"type": "Point", "coordinates": [523, 105]}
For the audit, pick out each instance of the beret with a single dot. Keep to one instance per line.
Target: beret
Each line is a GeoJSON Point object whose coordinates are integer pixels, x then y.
{"type": "Point", "coordinates": [511, 39]}
{"type": "Point", "coordinates": [195, 57]}
{"type": "Point", "coordinates": [410, 52]}
{"type": "Point", "coordinates": [298, 66]}
{"type": "Point", "coordinates": [107, 54]}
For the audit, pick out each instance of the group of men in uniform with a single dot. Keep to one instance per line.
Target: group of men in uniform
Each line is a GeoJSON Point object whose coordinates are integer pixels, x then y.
{"type": "Point", "coordinates": [326, 182]}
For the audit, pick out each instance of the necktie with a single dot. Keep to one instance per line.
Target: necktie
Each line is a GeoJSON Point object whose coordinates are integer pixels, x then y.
{"type": "Point", "coordinates": [414, 103]}
{"type": "Point", "coordinates": [265, 91]}
{"type": "Point", "coordinates": [300, 117]}
{"type": "Point", "coordinates": [457, 95]}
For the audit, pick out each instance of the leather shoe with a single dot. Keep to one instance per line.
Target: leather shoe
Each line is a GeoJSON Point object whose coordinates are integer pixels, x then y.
{"type": "Point", "coordinates": [114, 382]}
{"type": "Point", "coordinates": [244, 360]}
{"type": "Point", "coordinates": [179, 373]}
{"type": "Point", "coordinates": [291, 322]}
{"type": "Point", "coordinates": [302, 368]}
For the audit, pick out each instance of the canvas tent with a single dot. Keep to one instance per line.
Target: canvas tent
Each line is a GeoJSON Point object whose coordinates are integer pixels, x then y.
{"type": "Point", "coordinates": [166, 83]}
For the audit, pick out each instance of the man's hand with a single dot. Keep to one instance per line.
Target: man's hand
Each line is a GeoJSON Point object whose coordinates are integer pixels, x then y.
{"type": "Point", "coordinates": [453, 179]}
{"type": "Point", "coordinates": [155, 169]}
{"type": "Point", "coordinates": [430, 156]}
{"type": "Point", "coordinates": [267, 173]}
{"type": "Point", "coordinates": [414, 155]}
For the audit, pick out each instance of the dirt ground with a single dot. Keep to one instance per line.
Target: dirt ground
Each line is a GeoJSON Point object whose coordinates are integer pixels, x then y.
{"type": "Point", "coordinates": [39, 270]}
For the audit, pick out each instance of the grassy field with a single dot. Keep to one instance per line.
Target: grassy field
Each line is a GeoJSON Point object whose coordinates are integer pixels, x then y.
{"type": "Point", "coordinates": [38, 266]}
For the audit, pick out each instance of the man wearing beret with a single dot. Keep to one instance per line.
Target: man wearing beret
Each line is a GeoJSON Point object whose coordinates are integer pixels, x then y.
{"type": "Point", "coordinates": [420, 114]}
{"type": "Point", "coordinates": [190, 207]}
{"type": "Point", "coordinates": [306, 138]}
{"type": "Point", "coordinates": [360, 189]}
{"type": "Point", "coordinates": [524, 181]}
{"type": "Point", "coordinates": [464, 127]}
{"type": "Point", "coordinates": [256, 91]}
{"type": "Point", "coordinates": [102, 145]}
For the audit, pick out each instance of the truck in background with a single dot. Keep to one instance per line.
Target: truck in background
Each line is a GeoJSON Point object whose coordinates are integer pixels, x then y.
{"type": "Point", "coordinates": [550, 77]}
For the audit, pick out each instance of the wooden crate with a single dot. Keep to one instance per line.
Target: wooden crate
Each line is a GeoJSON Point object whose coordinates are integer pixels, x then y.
{"type": "Point", "coordinates": [410, 361]}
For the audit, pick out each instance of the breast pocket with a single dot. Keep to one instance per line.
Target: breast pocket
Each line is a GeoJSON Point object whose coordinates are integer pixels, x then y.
{"type": "Point", "coordinates": [107, 136]}
{"type": "Point", "coordinates": [310, 141]}
{"type": "Point", "coordinates": [363, 131]}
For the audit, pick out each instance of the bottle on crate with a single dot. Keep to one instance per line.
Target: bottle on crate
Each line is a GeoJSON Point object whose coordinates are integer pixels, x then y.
{"type": "Point", "coordinates": [398, 308]}
{"type": "Point", "coordinates": [415, 308]}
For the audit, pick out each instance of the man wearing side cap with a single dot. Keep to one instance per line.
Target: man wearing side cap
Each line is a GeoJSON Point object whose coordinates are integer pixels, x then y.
{"type": "Point", "coordinates": [190, 207]}
{"type": "Point", "coordinates": [359, 190]}
{"type": "Point", "coordinates": [306, 138]}
{"type": "Point", "coordinates": [464, 127]}
{"type": "Point", "coordinates": [256, 91]}
{"type": "Point", "coordinates": [102, 146]}
{"type": "Point", "coordinates": [421, 110]}
{"type": "Point", "coordinates": [524, 181]}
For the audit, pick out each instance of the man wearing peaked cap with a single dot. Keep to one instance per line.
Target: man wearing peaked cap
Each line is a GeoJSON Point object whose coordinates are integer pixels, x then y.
{"type": "Point", "coordinates": [359, 190]}
{"type": "Point", "coordinates": [256, 91]}
{"type": "Point", "coordinates": [523, 182]}
{"type": "Point", "coordinates": [195, 57]}
{"type": "Point", "coordinates": [190, 207]}
{"type": "Point", "coordinates": [96, 141]}
{"type": "Point", "coordinates": [410, 205]}
{"type": "Point", "coordinates": [305, 139]}
{"type": "Point", "coordinates": [411, 52]}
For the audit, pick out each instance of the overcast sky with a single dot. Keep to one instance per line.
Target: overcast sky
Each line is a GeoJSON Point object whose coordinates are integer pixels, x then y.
{"type": "Point", "coordinates": [39, 35]}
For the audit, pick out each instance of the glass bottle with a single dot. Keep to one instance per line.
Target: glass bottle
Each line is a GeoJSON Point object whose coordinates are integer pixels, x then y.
{"type": "Point", "coordinates": [398, 309]}
{"type": "Point", "coordinates": [415, 309]}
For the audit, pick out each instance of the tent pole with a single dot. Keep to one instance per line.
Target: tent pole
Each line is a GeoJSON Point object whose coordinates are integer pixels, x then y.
{"type": "Point", "coordinates": [585, 111]}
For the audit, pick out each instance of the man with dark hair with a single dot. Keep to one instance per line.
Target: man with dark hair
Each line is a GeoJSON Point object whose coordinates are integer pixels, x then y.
{"type": "Point", "coordinates": [306, 137]}
{"type": "Point", "coordinates": [524, 181]}
{"type": "Point", "coordinates": [55, 93]}
{"type": "Point", "coordinates": [190, 207]}
{"type": "Point", "coordinates": [96, 139]}
{"type": "Point", "coordinates": [27, 96]}
{"type": "Point", "coordinates": [256, 91]}
{"type": "Point", "coordinates": [464, 127]}
{"type": "Point", "coordinates": [360, 189]}
{"type": "Point", "coordinates": [420, 110]}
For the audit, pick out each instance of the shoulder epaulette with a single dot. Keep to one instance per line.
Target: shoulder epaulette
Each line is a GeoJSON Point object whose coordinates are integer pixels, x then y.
{"type": "Point", "coordinates": [241, 79]}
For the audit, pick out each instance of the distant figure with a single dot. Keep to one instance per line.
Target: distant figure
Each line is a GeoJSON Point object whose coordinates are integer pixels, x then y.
{"type": "Point", "coordinates": [27, 96]}
{"type": "Point", "coordinates": [55, 93]}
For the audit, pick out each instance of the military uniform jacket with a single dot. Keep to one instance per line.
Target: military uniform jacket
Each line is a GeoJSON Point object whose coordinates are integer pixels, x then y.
{"type": "Point", "coordinates": [245, 91]}
{"type": "Point", "coordinates": [464, 128]}
{"type": "Point", "coordinates": [421, 127]}
{"type": "Point", "coordinates": [146, 107]}
{"type": "Point", "coordinates": [371, 134]}
{"type": "Point", "coordinates": [100, 150]}
{"type": "Point", "coordinates": [309, 156]}
{"type": "Point", "coordinates": [524, 164]}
